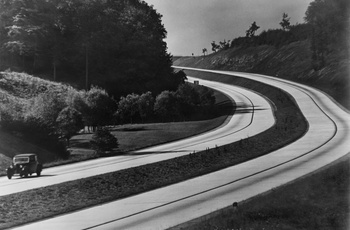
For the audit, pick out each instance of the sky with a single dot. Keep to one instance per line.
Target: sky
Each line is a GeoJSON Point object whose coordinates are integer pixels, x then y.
{"type": "Point", "coordinates": [193, 24]}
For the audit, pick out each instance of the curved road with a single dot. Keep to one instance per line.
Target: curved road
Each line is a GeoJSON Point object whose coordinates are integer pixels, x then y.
{"type": "Point", "coordinates": [326, 141]}
{"type": "Point", "coordinates": [241, 125]}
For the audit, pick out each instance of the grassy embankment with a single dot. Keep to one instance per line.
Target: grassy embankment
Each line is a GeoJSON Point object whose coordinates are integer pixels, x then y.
{"type": "Point", "coordinates": [291, 62]}
{"type": "Point", "coordinates": [70, 196]}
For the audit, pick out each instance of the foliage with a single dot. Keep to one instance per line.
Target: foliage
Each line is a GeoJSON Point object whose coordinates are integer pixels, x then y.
{"type": "Point", "coordinates": [69, 122]}
{"type": "Point", "coordinates": [215, 47]}
{"type": "Point", "coordinates": [103, 140]}
{"type": "Point", "coordinates": [128, 106]}
{"type": "Point", "coordinates": [329, 20]}
{"type": "Point", "coordinates": [206, 96]}
{"type": "Point", "coordinates": [123, 39]}
{"type": "Point", "coordinates": [204, 51]}
{"type": "Point", "coordinates": [224, 45]}
{"type": "Point", "coordinates": [252, 29]}
{"type": "Point", "coordinates": [285, 24]}
{"type": "Point", "coordinates": [42, 112]}
{"type": "Point", "coordinates": [181, 76]}
{"type": "Point", "coordinates": [146, 105]}
{"type": "Point", "coordinates": [186, 102]}
{"type": "Point", "coordinates": [100, 108]}
{"type": "Point", "coordinates": [275, 37]}
{"type": "Point", "coordinates": [187, 99]}
{"type": "Point", "coordinates": [47, 106]}
{"type": "Point", "coordinates": [327, 29]}
{"type": "Point", "coordinates": [166, 105]}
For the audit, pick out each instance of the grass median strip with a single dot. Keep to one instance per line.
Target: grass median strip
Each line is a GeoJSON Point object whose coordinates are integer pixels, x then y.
{"type": "Point", "coordinates": [53, 200]}
{"type": "Point", "coordinates": [317, 201]}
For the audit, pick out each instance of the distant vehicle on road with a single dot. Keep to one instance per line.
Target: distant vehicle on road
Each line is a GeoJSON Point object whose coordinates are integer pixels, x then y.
{"type": "Point", "coordinates": [24, 165]}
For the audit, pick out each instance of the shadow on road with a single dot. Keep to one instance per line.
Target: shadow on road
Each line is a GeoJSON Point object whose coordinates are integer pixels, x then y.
{"type": "Point", "coordinates": [244, 108]}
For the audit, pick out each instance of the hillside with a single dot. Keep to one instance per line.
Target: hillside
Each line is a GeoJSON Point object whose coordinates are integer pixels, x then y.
{"type": "Point", "coordinates": [17, 91]}
{"type": "Point", "coordinates": [291, 61]}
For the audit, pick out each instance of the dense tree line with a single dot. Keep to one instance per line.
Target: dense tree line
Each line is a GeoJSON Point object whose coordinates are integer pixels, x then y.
{"type": "Point", "coordinates": [186, 103]}
{"type": "Point", "coordinates": [330, 22]}
{"type": "Point", "coordinates": [117, 45]}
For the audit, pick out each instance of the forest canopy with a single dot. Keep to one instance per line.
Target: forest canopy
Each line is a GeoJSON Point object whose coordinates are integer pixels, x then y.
{"type": "Point", "coordinates": [118, 45]}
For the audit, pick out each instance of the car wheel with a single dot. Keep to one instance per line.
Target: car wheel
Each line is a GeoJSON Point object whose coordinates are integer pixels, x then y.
{"type": "Point", "coordinates": [24, 172]}
{"type": "Point", "coordinates": [9, 173]}
{"type": "Point", "coordinates": [38, 170]}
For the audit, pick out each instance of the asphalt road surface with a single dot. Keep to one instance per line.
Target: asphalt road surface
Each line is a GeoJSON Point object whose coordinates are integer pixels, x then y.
{"type": "Point", "coordinates": [326, 141]}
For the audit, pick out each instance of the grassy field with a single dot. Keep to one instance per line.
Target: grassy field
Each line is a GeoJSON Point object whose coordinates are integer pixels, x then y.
{"type": "Point", "coordinates": [134, 136]}
{"type": "Point", "coordinates": [317, 201]}
{"type": "Point", "coordinates": [70, 196]}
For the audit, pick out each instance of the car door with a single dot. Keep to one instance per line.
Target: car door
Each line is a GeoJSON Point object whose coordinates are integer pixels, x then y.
{"type": "Point", "coordinates": [32, 164]}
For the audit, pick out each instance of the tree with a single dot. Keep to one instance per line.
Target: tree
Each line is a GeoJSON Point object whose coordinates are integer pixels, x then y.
{"type": "Point", "coordinates": [285, 22]}
{"type": "Point", "coordinates": [46, 106]}
{"type": "Point", "coordinates": [128, 106]}
{"type": "Point", "coordinates": [180, 77]}
{"type": "Point", "coordinates": [145, 105]}
{"type": "Point", "coordinates": [69, 122]}
{"type": "Point", "coordinates": [188, 99]}
{"type": "Point", "coordinates": [224, 45]}
{"type": "Point", "coordinates": [252, 29]}
{"type": "Point", "coordinates": [329, 22]}
{"type": "Point", "coordinates": [100, 108]}
{"type": "Point", "coordinates": [102, 140]}
{"type": "Point", "coordinates": [206, 96]}
{"type": "Point", "coordinates": [166, 105]}
{"type": "Point", "coordinates": [204, 51]}
{"type": "Point", "coordinates": [123, 39]}
{"type": "Point", "coordinates": [188, 94]}
{"type": "Point", "coordinates": [214, 47]}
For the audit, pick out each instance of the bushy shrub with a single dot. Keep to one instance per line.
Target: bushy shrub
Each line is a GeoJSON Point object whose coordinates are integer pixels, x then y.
{"type": "Point", "coordinates": [69, 122]}
{"type": "Point", "coordinates": [166, 106]}
{"type": "Point", "coordinates": [103, 141]}
{"type": "Point", "coordinates": [99, 108]}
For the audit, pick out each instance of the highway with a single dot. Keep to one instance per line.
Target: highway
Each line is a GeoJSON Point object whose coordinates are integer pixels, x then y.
{"type": "Point", "coordinates": [326, 141]}
{"type": "Point", "coordinates": [236, 127]}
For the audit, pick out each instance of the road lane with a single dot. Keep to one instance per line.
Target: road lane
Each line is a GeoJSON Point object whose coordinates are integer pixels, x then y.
{"type": "Point", "coordinates": [325, 142]}
{"type": "Point", "coordinates": [239, 126]}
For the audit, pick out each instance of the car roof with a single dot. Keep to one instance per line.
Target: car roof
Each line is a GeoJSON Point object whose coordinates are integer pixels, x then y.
{"type": "Point", "coordinates": [25, 155]}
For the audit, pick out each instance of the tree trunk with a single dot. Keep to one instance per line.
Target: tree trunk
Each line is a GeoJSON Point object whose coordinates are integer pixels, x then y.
{"type": "Point", "coordinates": [86, 68]}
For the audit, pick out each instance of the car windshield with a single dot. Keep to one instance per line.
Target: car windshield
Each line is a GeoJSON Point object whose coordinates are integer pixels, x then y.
{"type": "Point", "coordinates": [20, 160]}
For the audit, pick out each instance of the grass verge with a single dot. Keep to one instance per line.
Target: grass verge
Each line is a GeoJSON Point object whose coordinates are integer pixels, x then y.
{"type": "Point", "coordinates": [70, 196]}
{"type": "Point", "coordinates": [317, 201]}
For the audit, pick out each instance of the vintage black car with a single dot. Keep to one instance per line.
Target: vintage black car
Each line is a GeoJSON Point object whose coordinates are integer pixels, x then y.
{"type": "Point", "coordinates": [24, 165]}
